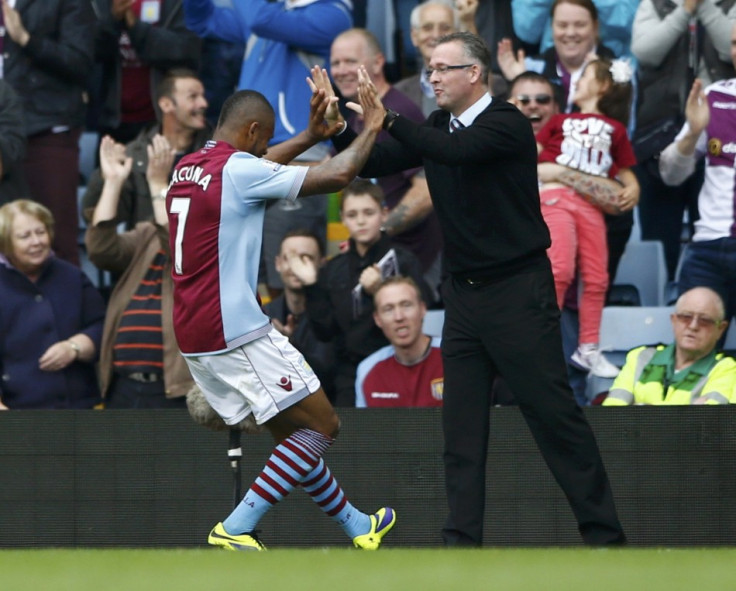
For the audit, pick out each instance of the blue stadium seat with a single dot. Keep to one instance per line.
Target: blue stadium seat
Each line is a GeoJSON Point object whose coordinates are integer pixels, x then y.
{"type": "Point", "coordinates": [730, 345]}
{"type": "Point", "coordinates": [87, 155]}
{"type": "Point", "coordinates": [433, 321]}
{"type": "Point", "coordinates": [643, 266]}
{"type": "Point", "coordinates": [624, 328]}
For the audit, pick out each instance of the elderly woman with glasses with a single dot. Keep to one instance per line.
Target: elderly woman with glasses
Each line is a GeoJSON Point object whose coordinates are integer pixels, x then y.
{"type": "Point", "coordinates": [688, 371]}
{"type": "Point", "coordinates": [50, 318]}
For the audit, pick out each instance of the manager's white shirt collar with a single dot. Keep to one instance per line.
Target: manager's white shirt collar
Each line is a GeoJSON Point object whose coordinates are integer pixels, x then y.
{"type": "Point", "coordinates": [469, 115]}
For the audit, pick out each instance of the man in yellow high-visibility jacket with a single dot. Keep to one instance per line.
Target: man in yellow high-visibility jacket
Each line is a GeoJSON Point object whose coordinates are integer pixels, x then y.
{"type": "Point", "coordinates": [688, 371]}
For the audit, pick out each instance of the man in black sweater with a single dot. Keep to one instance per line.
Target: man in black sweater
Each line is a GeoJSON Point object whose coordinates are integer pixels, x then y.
{"type": "Point", "coordinates": [501, 315]}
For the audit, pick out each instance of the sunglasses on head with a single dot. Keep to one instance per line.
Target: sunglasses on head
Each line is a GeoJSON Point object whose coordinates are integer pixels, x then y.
{"type": "Point", "coordinates": [540, 99]}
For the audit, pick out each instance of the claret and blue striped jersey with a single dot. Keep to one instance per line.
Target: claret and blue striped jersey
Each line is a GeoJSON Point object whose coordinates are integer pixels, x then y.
{"type": "Point", "coordinates": [216, 202]}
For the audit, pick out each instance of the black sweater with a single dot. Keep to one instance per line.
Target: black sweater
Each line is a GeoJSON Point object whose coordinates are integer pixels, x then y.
{"type": "Point", "coordinates": [483, 182]}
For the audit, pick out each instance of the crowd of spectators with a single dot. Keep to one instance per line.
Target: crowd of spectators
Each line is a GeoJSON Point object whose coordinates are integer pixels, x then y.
{"type": "Point", "coordinates": [148, 77]}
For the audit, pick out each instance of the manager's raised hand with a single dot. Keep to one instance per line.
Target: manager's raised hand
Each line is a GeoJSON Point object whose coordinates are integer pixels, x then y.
{"type": "Point", "coordinates": [370, 102]}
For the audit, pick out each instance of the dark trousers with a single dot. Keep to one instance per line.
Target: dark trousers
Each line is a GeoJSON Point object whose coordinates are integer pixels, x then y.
{"type": "Point", "coordinates": [711, 263]}
{"type": "Point", "coordinates": [661, 209]}
{"type": "Point", "coordinates": [51, 168]}
{"type": "Point", "coordinates": [127, 393]}
{"type": "Point", "coordinates": [618, 232]}
{"type": "Point", "coordinates": [511, 327]}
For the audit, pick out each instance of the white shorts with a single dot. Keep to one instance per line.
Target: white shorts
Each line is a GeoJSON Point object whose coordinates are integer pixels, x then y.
{"type": "Point", "coordinates": [262, 377]}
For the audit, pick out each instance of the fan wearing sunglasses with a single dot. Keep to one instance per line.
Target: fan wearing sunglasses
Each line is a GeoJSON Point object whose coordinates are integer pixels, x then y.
{"type": "Point", "coordinates": [533, 95]}
{"type": "Point", "coordinates": [688, 371]}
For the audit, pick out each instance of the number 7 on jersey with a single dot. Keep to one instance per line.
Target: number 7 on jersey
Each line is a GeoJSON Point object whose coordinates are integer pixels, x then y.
{"type": "Point", "coordinates": [179, 207]}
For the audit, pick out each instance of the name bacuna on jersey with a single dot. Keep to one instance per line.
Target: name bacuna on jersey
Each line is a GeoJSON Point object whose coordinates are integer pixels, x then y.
{"type": "Point", "coordinates": [191, 174]}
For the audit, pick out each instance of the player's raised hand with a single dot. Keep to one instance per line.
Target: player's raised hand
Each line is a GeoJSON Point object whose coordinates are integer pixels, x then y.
{"type": "Point", "coordinates": [319, 128]}
{"type": "Point", "coordinates": [321, 81]}
{"type": "Point", "coordinates": [370, 103]}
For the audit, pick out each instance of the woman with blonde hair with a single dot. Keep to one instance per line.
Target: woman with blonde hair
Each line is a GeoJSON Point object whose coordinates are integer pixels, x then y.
{"type": "Point", "coordinates": [50, 319]}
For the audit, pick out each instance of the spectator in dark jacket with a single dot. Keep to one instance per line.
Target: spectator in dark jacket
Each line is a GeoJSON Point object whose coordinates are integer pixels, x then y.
{"type": "Point", "coordinates": [12, 145]}
{"type": "Point", "coordinates": [50, 319]}
{"type": "Point", "coordinates": [48, 51]}
{"type": "Point", "coordinates": [135, 46]}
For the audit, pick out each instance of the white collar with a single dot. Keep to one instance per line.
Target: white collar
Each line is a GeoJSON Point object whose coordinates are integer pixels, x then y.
{"type": "Point", "coordinates": [468, 115]}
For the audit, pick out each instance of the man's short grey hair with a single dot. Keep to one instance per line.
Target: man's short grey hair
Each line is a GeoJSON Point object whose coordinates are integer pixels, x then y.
{"type": "Point", "coordinates": [417, 10]}
{"type": "Point", "coordinates": [474, 48]}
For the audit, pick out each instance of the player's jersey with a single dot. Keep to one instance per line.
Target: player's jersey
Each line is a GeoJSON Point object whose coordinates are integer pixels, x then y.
{"type": "Point", "coordinates": [216, 203]}
{"type": "Point", "coordinates": [382, 381]}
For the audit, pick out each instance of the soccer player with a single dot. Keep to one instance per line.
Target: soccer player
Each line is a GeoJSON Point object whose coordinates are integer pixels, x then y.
{"type": "Point", "coordinates": [216, 203]}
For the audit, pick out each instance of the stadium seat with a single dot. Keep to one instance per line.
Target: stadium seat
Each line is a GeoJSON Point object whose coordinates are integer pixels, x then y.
{"type": "Point", "coordinates": [636, 228]}
{"type": "Point", "coordinates": [730, 345]}
{"type": "Point", "coordinates": [643, 266]}
{"type": "Point", "coordinates": [671, 290]}
{"type": "Point", "coordinates": [624, 328]}
{"type": "Point", "coordinates": [623, 294]}
{"type": "Point", "coordinates": [87, 155]}
{"type": "Point", "coordinates": [433, 321]}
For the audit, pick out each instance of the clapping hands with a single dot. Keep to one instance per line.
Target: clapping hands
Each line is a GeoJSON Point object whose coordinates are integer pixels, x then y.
{"type": "Point", "coordinates": [115, 164]}
{"type": "Point", "coordinates": [160, 160]}
{"type": "Point", "coordinates": [697, 110]}
{"type": "Point", "coordinates": [325, 117]}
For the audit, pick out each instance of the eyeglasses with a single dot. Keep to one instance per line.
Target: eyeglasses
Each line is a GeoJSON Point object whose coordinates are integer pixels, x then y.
{"type": "Point", "coordinates": [541, 99]}
{"type": "Point", "coordinates": [686, 319]}
{"type": "Point", "coordinates": [444, 69]}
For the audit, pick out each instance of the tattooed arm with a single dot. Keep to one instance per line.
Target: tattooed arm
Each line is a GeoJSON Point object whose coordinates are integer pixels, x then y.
{"type": "Point", "coordinates": [601, 191]}
{"type": "Point", "coordinates": [414, 206]}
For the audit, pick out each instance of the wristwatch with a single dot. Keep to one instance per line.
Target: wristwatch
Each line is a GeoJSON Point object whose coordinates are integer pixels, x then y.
{"type": "Point", "coordinates": [75, 347]}
{"type": "Point", "coordinates": [160, 196]}
{"type": "Point", "coordinates": [389, 118]}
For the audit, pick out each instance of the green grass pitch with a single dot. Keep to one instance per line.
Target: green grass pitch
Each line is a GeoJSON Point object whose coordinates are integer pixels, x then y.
{"type": "Point", "coordinates": [333, 569]}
